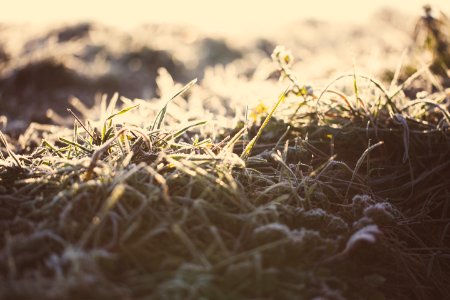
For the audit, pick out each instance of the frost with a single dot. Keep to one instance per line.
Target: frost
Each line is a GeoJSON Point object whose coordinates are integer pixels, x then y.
{"type": "Point", "coordinates": [271, 232]}
{"type": "Point", "coordinates": [363, 222]}
{"type": "Point", "coordinates": [366, 234]}
{"type": "Point", "coordinates": [381, 213]}
{"type": "Point", "coordinates": [320, 219]}
{"type": "Point", "coordinates": [360, 202]}
{"type": "Point", "coordinates": [315, 213]}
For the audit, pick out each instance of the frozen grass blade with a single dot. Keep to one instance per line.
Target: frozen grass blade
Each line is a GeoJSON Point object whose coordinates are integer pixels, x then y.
{"type": "Point", "coordinates": [80, 122]}
{"type": "Point", "coordinates": [107, 129]}
{"type": "Point", "coordinates": [359, 164]}
{"type": "Point", "coordinates": [76, 145]}
{"type": "Point", "coordinates": [389, 98]}
{"type": "Point", "coordinates": [53, 148]}
{"type": "Point", "coordinates": [252, 143]}
{"type": "Point", "coordinates": [406, 134]}
{"type": "Point", "coordinates": [230, 144]}
{"type": "Point", "coordinates": [187, 127]}
{"type": "Point", "coordinates": [122, 111]}
{"type": "Point", "coordinates": [162, 113]}
{"type": "Point", "coordinates": [104, 147]}
{"type": "Point", "coordinates": [431, 103]}
{"type": "Point", "coordinates": [9, 151]}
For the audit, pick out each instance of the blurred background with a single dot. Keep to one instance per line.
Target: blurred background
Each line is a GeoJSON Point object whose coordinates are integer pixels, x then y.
{"type": "Point", "coordinates": [232, 16]}
{"type": "Point", "coordinates": [52, 52]}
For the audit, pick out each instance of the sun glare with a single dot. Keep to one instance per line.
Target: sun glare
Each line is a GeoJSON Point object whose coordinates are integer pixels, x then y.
{"type": "Point", "coordinates": [240, 149]}
{"type": "Point", "coordinates": [231, 16]}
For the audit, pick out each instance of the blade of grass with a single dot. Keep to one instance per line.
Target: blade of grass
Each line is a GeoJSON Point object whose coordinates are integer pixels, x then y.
{"type": "Point", "coordinates": [51, 147]}
{"type": "Point", "coordinates": [162, 113]}
{"type": "Point", "coordinates": [183, 130]}
{"type": "Point", "coordinates": [398, 118]}
{"type": "Point", "coordinates": [75, 136]}
{"type": "Point", "coordinates": [358, 165]}
{"type": "Point", "coordinates": [429, 102]}
{"type": "Point", "coordinates": [76, 145]}
{"type": "Point", "coordinates": [388, 97]}
{"type": "Point", "coordinates": [106, 129]}
{"type": "Point", "coordinates": [230, 144]}
{"type": "Point", "coordinates": [121, 112]}
{"type": "Point", "coordinates": [397, 71]}
{"type": "Point", "coordinates": [10, 152]}
{"type": "Point", "coordinates": [252, 143]}
{"type": "Point", "coordinates": [81, 123]}
{"type": "Point", "coordinates": [355, 85]}
{"type": "Point", "coordinates": [112, 103]}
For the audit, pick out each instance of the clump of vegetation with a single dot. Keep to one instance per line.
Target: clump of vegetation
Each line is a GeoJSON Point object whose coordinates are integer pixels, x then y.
{"type": "Point", "coordinates": [349, 200]}
{"type": "Point", "coordinates": [427, 62]}
{"type": "Point", "coordinates": [431, 34]}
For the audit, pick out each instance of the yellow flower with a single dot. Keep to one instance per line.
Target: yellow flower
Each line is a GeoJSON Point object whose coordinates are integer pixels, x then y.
{"type": "Point", "coordinates": [258, 111]}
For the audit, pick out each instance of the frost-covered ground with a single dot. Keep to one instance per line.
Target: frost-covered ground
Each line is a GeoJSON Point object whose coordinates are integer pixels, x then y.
{"type": "Point", "coordinates": [41, 67]}
{"type": "Point", "coordinates": [270, 177]}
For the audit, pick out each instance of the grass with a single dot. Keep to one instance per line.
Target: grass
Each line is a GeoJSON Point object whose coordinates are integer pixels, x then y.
{"type": "Point", "coordinates": [333, 195]}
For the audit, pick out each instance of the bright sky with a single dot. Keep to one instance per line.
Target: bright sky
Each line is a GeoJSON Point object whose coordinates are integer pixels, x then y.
{"type": "Point", "coordinates": [234, 16]}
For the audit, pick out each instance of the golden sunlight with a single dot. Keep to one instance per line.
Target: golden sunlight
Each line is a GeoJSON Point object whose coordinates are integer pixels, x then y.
{"type": "Point", "coordinates": [240, 149]}
{"type": "Point", "coordinates": [233, 16]}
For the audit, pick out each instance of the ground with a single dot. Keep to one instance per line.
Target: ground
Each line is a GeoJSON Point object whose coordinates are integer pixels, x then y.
{"type": "Point", "coordinates": [318, 169]}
